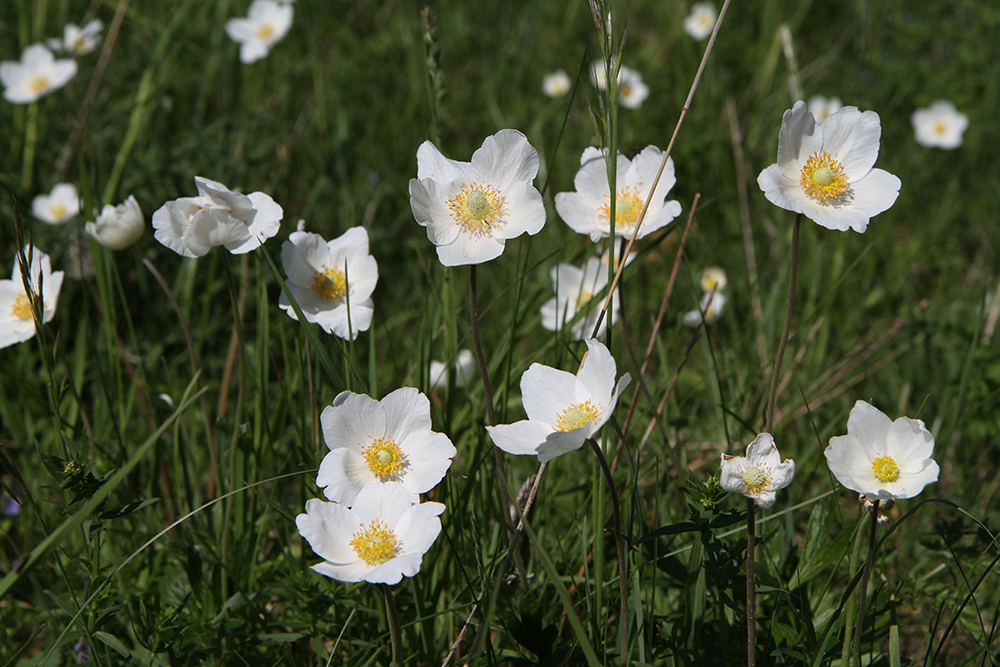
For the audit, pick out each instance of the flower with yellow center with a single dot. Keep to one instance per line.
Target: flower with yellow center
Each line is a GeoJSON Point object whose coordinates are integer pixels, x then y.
{"type": "Point", "coordinates": [940, 125]}
{"type": "Point", "coordinates": [37, 74]}
{"type": "Point", "coordinates": [711, 307]}
{"type": "Point", "coordinates": [266, 24]}
{"type": "Point", "coordinates": [556, 84]}
{"type": "Point", "coordinates": [330, 282]}
{"type": "Point", "coordinates": [59, 206]}
{"type": "Point", "coordinates": [759, 474]}
{"type": "Point", "coordinates": [563, 409]}
{"type": "Point", "coordinates": [880, 458]}
{"type": "Point", "coordinates": [17, 322]}
{"type": "Point", "coordinates": [825, 171]}
{"type": "Point", "coordinates": [631, 89]}
{"type": "Point", "coordinates": [574, 304]}
{"type": "Point", "coordinates": [470, 209]}
{"type": "Point", "coordinates": [381, 441]}
{"type": "Point", "coordinates": [701, 21]}
{"type": "Point", "coordinates": [588, 209]}
{"type": "Point", "coordinates": [381, 539]}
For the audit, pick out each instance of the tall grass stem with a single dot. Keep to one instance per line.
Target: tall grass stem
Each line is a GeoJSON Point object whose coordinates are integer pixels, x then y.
{"type": "Point", "coordinates": [776, 370]}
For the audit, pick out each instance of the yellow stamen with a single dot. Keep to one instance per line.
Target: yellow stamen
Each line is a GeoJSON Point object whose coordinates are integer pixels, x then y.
{"type": "Point", "coordinates": [57, 211]}
{"type": "Point", "coordinates": [384, 458]}
{"type": "Point", "coordinates": [478, 208]}
{"type": "Point", "coordinates": [265, 31]}
{"type": "Point", "coordinates": [885, 469]}
{"type": "Point", "coordinates": [823, 178]}
{"type": "Point", "coordinates": [756, 479]}
{"type": "Point", "coordinates": [22, 308]}
{"type": "Point", "coordinates": [583, 299]}
{"type": "Point", "coordinates": [577, 415]}
{"type": "Point", "coordinates": [330, 283]}
{"type": "Point", "coordinates": [375, 544]}
{"type": "Point", "coordinates": [628, 206]}
{"type": "Point", "coordinates": [940, 127]}
{"type": "Point", "coordinates": [38, 83]}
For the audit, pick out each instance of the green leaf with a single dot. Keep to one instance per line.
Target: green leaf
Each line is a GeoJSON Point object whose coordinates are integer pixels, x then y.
{"type": "Point", "coordinates": [113, 643]}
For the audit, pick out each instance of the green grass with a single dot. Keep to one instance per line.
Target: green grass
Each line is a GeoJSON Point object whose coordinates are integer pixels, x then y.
{"type": "Point", "coordinates": [176, 542]}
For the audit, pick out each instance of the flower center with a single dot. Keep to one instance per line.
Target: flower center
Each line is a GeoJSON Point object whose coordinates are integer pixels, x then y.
{"type": "Point", "coordinates": [265, 31]}
{"type": "Point", "coordinates": [375, 544]}
{"type": "Point", "coordinates": [940, 127]}
{"type": "Point", "coordinates": [38, 83]}
{"type": "Point", "coordinates": [628, 204]}
{"type": "Point", "coordinates": [626, 91]}
{"type": "Point", "coordinates": [22, 308]}
{"type": "Point", "coordinates": [756, 479]}
{"type": "Point", "coordinates": [330, 283]}
{"type": "Point", "coordinates": [384, 458]}
{"type": "Point", "coordinates": [57, 210]}
{"type": "Point", "coordinates": [577, 415]}
{"type": "Point", "coordinates": [885, 469]}
{"type": "Point", "coordinates": [478, 208]}
{"type": "Point", "coordinates": [823, 178]}
{"type": "Point", "coordinates": [583, 299]}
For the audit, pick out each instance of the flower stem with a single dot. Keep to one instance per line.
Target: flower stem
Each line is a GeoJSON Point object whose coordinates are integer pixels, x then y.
{"type": "Point", "coordinates": [776, 371]}
{"type": "Point", "coordinates": [395, 632]}
{"type": "Point", "coordinates": [751, 586]}
{"type": "Point", "coordinates": [860, 625]}
{"type": "Point", "coordinates": [30, 138]}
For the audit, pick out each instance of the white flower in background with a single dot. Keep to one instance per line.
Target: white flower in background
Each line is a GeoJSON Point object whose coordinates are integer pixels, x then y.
{"type": "Point", "coordinates": [563, 409]}
{"type": "Point", "coordinates": [76, 40]}
{"type": "Point", "coordinates": [599, 74]}
{"type": "Point", "coordinates": [821, 107]}
{"type": "Point", "coordinates": [118, 227]}
{"type": "Point", "coordinates": [881, 458]}
{"type": "Point", "coordinates": [631, 90]}
{"type": "Point", "coordinates": [17, 322]}
{"type": "Point", "coordinates": [36, 75]}
{"type": "Point", "coordinates": [465, 369]}
{"type": "Point", "coordinates": [470, 209]}
{"type": "Point", "coordinates": [587, 210]}
{"type": "Point", "coordinates": [557, 83]}
{"type": "Point", "coordinates": [381, 441]}
{"type": "Point", "coordinates": [825, 171]}
{"type": "Point", "coordinates": [712, 306]}
{"type": "Point", "coordinates": [267, 22]}
{"type": "Point", "coordinates": [758, 474]}
{"type": "Point", "coordinates": [713, 279]}
{"type": "Point", "coordinates": [191, 226]}
{"type": "Point", "coordinates": [575, 289]}
{"type": "Point", "coordinates": [701, 21]}
{"type": "Point", "coordinates": [59, 206]}
{"type": "Point", "coordinates": [381, 539]}
{"type": "Point", "coordinates": [940, 125]}
{"type": "Point", "coordinates": [615, 252]}
{"type": "Point", "coordinates": [331, 281]}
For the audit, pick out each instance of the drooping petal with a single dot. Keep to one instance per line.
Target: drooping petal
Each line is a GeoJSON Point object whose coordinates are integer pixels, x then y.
{"type": "Point", "coordinates": [520, 438]}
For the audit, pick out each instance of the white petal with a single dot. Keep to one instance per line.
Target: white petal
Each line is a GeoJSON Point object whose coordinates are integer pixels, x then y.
{"type": "Point", "coordinates": [870, 427]}
{"type": "Point", "coordinates": [342, 475]}
{"type": "Point", "coordinates": [406, 411]}
{"type": "Point", "coordinates": [546, 392]}
{"type": "Point", "coordinates": [354, 420]}
{"type": "Point", "coordinates": [852, 137]}
{"type": "Point", "coordinates": [506, 159]}
{"type": "Point", "coordinates": [523, 437]}
{"type": "Point", "coordinates": [597, 375]}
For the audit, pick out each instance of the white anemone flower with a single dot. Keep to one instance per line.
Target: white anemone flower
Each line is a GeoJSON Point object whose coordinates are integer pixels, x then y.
{"type": "Point", "coordinates": [17, 323]}
{"type": "Point", "coordinates": [881, 458]}
{"type": "Point", "coordinates": [821, 107]}
{"type": "Point", "coordinates": [758, 474]}
{"type": "Point", "coordinates": [575, 289]}
{"type": "Point", "coordinates": [701, 21]}
{"type": "Point", "coordinates": [712, 305]}
{"type": "Point", "coordinates": [57, 207]}
{"type": "Point", "coordinates": [381, 441]}
{"type": "Point", "coordinates": [470, 209]}
{"type": "Point", "coordinates": [587, 210]}
{"type": "Point", "coordinates": [563, 409]}
{"type": "Point", "coordinates": [825, 171]}
{"type": "Point", "coordinates": [191, 226]}
{"type": "Point", "coordinates": [77, 40]}
{"type": "Point", "coordinates": [118, 227]}
{"type": "Point", "coordinates": [381, 539]}
{"type": "Point", "coordinates": [713, 279]}
{"type": "Point", "coordinates": [940, 125]}
{"type": "Point", "coordinates": [36, 75]}
{"type": "Point", "coordinates": [557, 83]}
{"type": "Point", "coordinates": [631, 90]}
{"type": "Point", "coordinates": [465, 369]}
{"type": "Point", "coordinates": [332, 281]}
{"type": "Point", "coordinates": [267, 22]}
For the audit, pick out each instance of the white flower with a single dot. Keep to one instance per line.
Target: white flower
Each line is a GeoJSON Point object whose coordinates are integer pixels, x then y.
{"type": "Point", "coordinates": [191, 226]}
{"type": "Point", "coordinates": [17, 322]}
{"type": "Point", "coordinates": [615, 250]}
{"type": "Point", "coordinates": [118, 227]}
{"type": "Point", "coordinates": [758, 474]}
{"type": "Point", "coordinates": [79, 41]}
{"type": "Point", "coordinates": [631, 90]}
{"type": "Point", "coordinates": [57, 207]}
{"type": "Point", "coordinates": [825, 171]}
{"type": "Point", "coordinates": [381, 441]}
{"type": "Point", "coordinates": [701, 21]}
{"type": "Point", "coordinates": [599, 73]}
{"type": "Point", "coordinates": [587, 210]}
{"type": "Point", "coordinates": [35, 76]}
{"type": "Point", "coordinates": [881, 458]}
{"type": "Point", "coordinates": [712, 305]}
{"type": "Point", "coordinates": [557, 83]}
{"type": "Point", "coordinates": [575, 289]}
{"type": "Point", "coordinates": [940, 125]}
{"type": "Point", "coordinates": [331, 280]}
{"type": "Point", "coordinates": [821, 107]}
{"type": "Point", "coordinates": [713, 279]}
{"type": "Point", "coordinates": [470, 209]}
{"type": "Point", "coordinates": [267, 22]}
{"type": "Point", "coordinates": [465, 368]}
{"type": "Point", "coordinates": [563, 409]}
{"type": "Point", "coordinates": [380, 540]}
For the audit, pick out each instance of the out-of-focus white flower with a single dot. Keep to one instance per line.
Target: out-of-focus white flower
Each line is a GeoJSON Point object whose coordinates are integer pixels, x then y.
{"type": "Point", "coordinates": [191, 226]}
{"type": "Point", "coordinates": [758, 474]}
{"type": "Point", "coordinates": [712, 305]}
{"type": "Point", "coordinates": [713, 279]}
{"type": "Point", "coordinates": [465, 368]}
{"type": "Point", "coordinates": [631, 90]}
{"type": "Point", "coordinates": [557, 83]}
{"type": "Point", "coordinates": [470, 209]}
{"type": "Point", "coordinates": [575, 290]}
{"type": "Point", "coordinates": [36, 75]}
{"type": "Point", "coordinates": [588, 209]}
{"type": "Point", "coordinates": [17, 323]}
{"type": "Point", "coordinates": [267, 22]}
{"type": "Point", "coordinates": [821, 107]}
{"type": "Point", "coordinates": [599, 74]}
{"type": "Point", "coordinates": [881, 458]}
{"type": "Point", "coordinates": [118, 227]}
{"type": "Point", "coordinates": [381, 539]}
{"type": "Point", "coordinates": [76, 40]}
{"type": "Point", "coordinates": [701, 21]}
{"type": "Point", "coordinates": [825, 172]}
{"type": "Point", "coordinates": [331, 281]}
{"type": "Point", "coordinates": [615, 251]}
{"type": "Point", "coordinates": [940, 125]}
{"type": "Point", "coordinates": [563, 409]}
{"type": "Point", "coordinates": [57, 207]}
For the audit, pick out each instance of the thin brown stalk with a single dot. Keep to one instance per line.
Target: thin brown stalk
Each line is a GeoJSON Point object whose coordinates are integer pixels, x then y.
{"type": "Point", "coordinates": [863, 592]}
{"type": "Point", "coordinates": [776, 370]}
{"type": "Point", "coordinates": [751, 587]}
